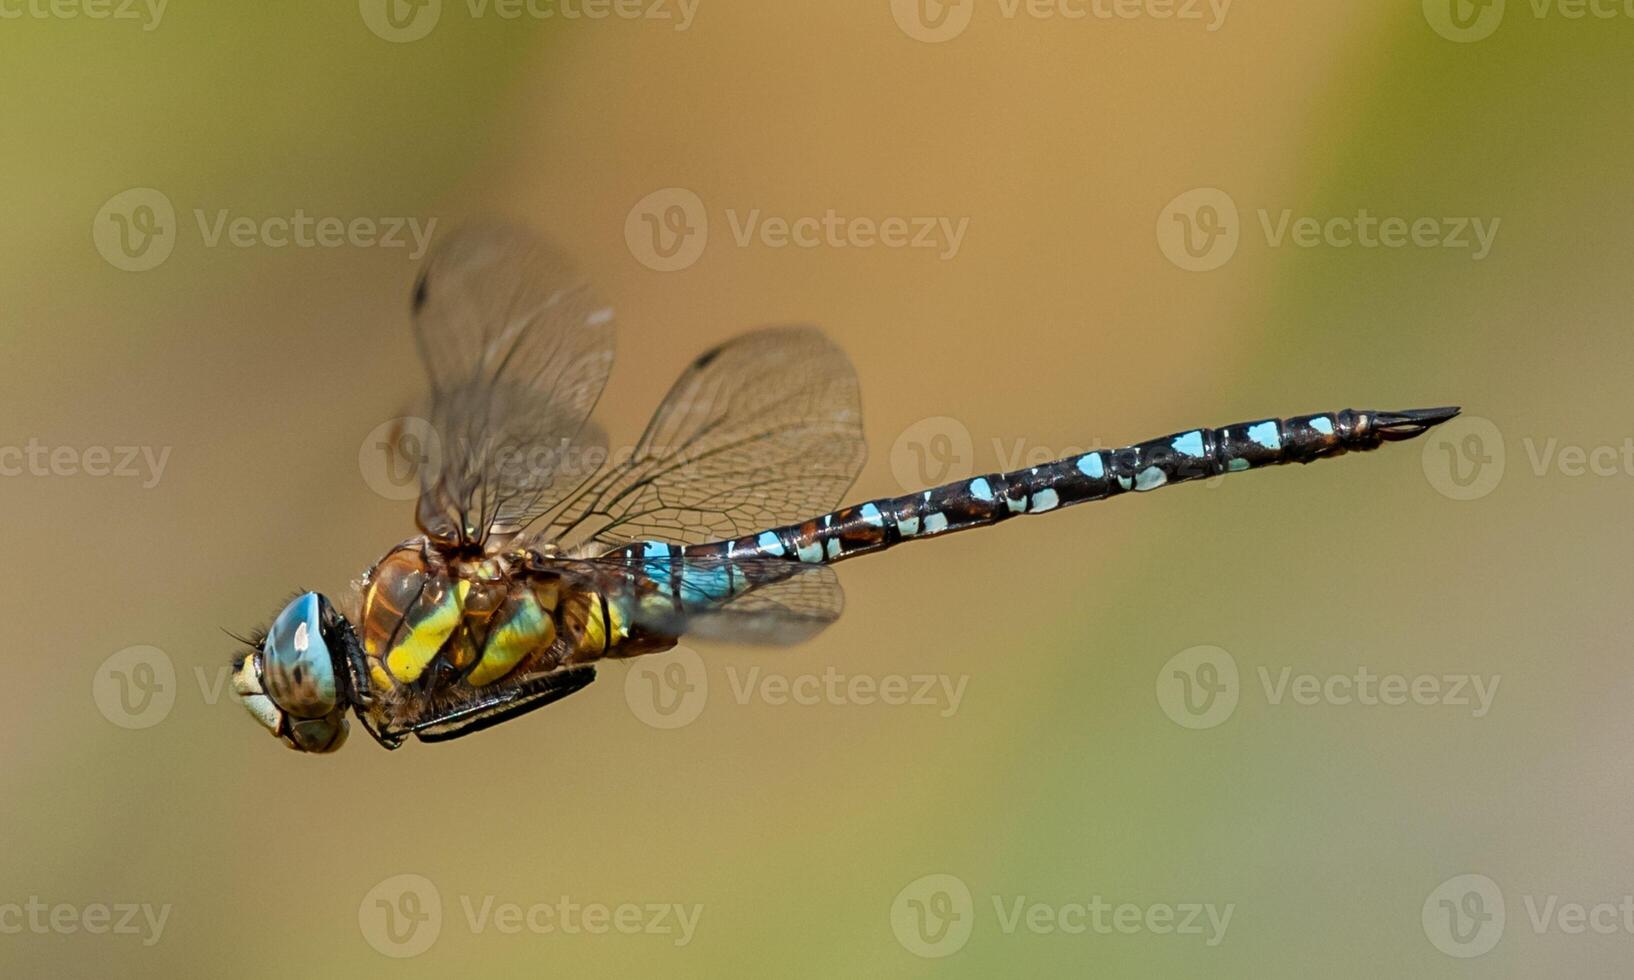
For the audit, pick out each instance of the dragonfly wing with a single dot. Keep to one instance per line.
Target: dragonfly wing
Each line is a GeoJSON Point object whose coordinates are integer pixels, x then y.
{"type": "Point", "coordinates": [518, 350]}
{"type": "Point", "coordinates": [762, 430]}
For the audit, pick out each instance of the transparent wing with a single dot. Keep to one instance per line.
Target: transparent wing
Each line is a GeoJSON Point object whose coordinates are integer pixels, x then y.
{"type": "Point", "coordinates": [765, 429]}
{"type": "Point", "coordinates": [518, 350]}
{"type": "Point", "coordinates": [760, 601]}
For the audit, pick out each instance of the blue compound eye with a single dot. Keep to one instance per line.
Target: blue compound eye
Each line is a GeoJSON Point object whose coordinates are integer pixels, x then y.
{"type": "Point", "coordinates": [298, 671]}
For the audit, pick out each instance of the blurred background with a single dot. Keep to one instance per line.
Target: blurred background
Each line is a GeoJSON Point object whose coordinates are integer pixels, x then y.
{"type": "Point", "coordinates": [1367, 718]}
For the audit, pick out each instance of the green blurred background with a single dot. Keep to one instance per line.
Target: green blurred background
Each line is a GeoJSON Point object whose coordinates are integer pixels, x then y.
{"type": "Point", "coordinates": [804, 833]}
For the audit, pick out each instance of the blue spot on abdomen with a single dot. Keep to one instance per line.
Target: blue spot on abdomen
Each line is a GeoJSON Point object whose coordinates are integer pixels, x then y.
{"type": "Point", "coordinates": [1266, 434]}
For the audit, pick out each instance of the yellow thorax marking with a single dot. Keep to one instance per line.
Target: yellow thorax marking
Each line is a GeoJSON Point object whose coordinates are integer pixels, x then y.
{"type": "Point", "coordinates": [423, 640]}
{"type": "Point", "coordinates": [526, 627]}
{"type": "Point", "coordinates": [595, 626]}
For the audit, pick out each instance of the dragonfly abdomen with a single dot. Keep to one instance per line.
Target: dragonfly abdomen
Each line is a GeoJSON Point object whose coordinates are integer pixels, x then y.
{"type": "Point", "coordinates": [983, 500]}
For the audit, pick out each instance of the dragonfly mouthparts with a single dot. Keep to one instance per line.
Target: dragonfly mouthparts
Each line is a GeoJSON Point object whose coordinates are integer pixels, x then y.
{"type": "Point", "coordinates": [1397, 426]}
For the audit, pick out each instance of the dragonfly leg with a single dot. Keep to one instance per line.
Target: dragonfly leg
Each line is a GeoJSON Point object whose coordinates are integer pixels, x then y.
{"type": "Point", "coordinates": [528, 696]}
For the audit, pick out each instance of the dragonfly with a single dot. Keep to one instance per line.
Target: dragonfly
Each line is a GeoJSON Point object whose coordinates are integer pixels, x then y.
{"type": "Point", "coordinates": [540, 553]}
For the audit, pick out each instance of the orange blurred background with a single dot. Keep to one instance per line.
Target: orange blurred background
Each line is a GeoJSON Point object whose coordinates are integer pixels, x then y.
{"type": "Point", "coordinates": [841, 837]}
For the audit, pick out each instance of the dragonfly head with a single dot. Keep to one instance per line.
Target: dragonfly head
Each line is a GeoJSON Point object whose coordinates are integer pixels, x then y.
{"type": "Point", "coordinates": [293, 679]}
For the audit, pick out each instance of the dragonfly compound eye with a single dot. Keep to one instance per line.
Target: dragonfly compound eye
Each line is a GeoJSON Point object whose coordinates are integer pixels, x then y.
{"type": "Point", "coordinates": [298, 671]}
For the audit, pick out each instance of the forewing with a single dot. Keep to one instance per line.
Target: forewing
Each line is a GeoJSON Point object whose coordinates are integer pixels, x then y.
{"type": "Point", "coordinates": [518, 350]}
{"type": "Point", "coordinates": [765, 429]}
